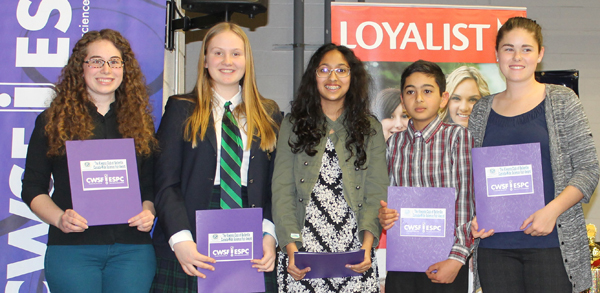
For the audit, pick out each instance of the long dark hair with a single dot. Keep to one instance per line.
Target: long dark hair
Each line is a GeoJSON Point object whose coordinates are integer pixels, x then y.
{"type": "Point", "coordinates": [309, 123]}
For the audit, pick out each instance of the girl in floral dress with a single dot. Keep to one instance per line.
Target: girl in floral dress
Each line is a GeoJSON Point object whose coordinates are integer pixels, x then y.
{"type": "Point", "coordinates": [330, 173]}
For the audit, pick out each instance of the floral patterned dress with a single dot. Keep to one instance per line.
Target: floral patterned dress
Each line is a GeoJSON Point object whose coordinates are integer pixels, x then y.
{"type": "Point", "coordinates": [329, 226]}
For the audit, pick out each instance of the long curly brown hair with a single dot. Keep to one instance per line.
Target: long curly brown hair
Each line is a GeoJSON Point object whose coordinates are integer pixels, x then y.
{"type": "Point", "coordinates": [68, 117]}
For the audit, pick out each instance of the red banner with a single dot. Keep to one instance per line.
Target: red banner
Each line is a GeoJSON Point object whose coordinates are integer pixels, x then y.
{"type": "Point", "coordinates": [406, 33]}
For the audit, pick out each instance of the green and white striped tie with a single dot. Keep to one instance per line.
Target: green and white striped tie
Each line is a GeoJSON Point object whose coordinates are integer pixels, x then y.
{"type": "Point", "coordinates": [231, 161]}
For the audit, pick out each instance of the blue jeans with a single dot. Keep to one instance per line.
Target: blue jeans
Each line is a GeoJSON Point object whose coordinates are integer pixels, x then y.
{"type": "Point", "coordinates": [100, 268]}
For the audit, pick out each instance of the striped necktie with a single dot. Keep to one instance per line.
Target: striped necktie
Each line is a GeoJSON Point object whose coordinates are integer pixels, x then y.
{"type": "Point", "coordinates": [231, 161]}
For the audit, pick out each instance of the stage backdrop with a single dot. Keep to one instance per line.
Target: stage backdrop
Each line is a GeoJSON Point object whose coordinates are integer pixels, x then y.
{"type": "Point", "coordinates": [37, 38]}
{"type": "Point", "coordinates": [389, 37]}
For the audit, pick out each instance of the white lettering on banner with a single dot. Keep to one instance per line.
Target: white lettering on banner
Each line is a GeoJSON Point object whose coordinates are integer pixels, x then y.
{"type": "Point", "coordinates": [378, 35]}
{"type": "Point", "coordinates": [456, 32]}
{"type": "Point", "coordinates": [393, 34]}
{"type": "Point", "coordinates": [19, 148]}
{"type": "Point", "coordinates": [446, 36]}
{"type": "Point", "coordinates": [25, 239]}
{"type": "Point", "coordinates": [413, 35]}
{"type": "Point", "coordinates": [430, 45]}
{"type": "Point", "coordinates": [40, 19]}
{"type": "Point", "coordinates": [85, 17]}
{"type": "Point", "coordinates": [19, 208]}
{"type": "Point", "coordinates": [42, 58]}
{"type": "Point", "coordinates": [344, 37]}
{"type": "Point", "coordinates": [479, 34]}
{"type": "Point", "coordinates": [15, 286]}
{"type": "Point", "coordinates": [14, 180]}
{"type": "Point", "coordinates": [412, 30]}
{"type": "Point", "coordinates": [33, 97]}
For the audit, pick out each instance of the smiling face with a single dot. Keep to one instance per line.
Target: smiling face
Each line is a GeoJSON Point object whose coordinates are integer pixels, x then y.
{"type": "Point", "coordinates": [102, 82]}
{"type": "Point", "coordinates": [333, 88]}
{"type": "Point", "coordinates": [461, 102]}
{"type": "Point", "coordinates": [226, 62]}
{"type": "Point", "coordinates": [422, 99]}
{"type": "Point", "coordinates": [518, 55]}
{"type": "Point", "coordinates": [396, 123]}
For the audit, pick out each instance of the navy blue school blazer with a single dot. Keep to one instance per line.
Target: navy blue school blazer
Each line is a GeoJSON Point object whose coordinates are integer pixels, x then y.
{"type": "Point", "coordinates": [184, 176]}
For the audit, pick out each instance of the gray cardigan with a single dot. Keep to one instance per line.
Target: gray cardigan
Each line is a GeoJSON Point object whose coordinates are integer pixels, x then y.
{"type": "Point", "coordinates": [574, 162]}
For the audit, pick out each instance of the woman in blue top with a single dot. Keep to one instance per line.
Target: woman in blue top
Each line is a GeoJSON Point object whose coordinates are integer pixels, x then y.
{"type": "Point", "coordinates": [551, 253]}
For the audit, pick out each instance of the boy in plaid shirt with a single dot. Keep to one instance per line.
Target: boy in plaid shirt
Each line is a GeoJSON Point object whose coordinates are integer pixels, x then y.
{"type": "Point", "coordinates": [431, 153]}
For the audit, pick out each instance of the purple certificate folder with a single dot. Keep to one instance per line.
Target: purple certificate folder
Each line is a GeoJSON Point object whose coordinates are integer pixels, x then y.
{"type": "Point", "coordinates": [105, 187]}
{"type": "Point", "coordinates": [329, 265]}
{"type": "Point", "coordinates": [233, 238]}
{"type": "Point", "coordinates": [509, 185]}
{"type": "Point", "coordinates": [424, 233]}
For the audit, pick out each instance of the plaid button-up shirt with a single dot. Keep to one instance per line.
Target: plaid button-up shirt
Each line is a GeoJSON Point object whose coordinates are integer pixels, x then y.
{"type": "Point", "coordinates": [437, 156]}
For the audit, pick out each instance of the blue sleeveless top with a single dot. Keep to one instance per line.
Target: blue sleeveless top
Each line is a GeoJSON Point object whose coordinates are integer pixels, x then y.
{"type": "Point", "coordinates": [528, 127]}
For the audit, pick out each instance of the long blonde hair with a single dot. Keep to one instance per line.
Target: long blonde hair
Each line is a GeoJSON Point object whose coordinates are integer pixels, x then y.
{"type": "Point", "coordinates": [254, 107]}
{"type": "Point", "coordinates": [459, 75]}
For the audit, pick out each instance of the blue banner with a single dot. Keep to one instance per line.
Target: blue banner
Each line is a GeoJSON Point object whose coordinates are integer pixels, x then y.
{"type": "Point", "coordinates": [37, 38]}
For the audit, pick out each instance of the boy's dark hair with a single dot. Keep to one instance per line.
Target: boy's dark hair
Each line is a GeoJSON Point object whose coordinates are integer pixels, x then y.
{"type": "Point", "coordinates": [428, 68]}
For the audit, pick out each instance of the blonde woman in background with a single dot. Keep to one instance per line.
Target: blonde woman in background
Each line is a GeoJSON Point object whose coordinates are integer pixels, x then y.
{"type": "Point", "coordinates": [466, 86]}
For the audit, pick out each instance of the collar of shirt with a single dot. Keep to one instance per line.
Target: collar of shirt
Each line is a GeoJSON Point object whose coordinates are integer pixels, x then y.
{"type": "Point", "coordinates": [427, 133]}
{"type": "Point", "coordinates": [93, 110]}
{"type": "Point", "coordinates": [219, 102]}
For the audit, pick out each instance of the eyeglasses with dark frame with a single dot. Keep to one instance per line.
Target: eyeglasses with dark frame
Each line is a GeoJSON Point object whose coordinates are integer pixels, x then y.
{"type": "Point", "coordinates": [324, 71]}
{"type": "Point", "coordinates": [114, 63]}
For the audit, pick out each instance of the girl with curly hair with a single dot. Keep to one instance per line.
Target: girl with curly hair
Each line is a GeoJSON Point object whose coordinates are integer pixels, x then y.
{"type": "Point", "coordinates": [101, 94]}
{"type": "Point", "coordinates": [330, 174]}
{"type": "Point", "coordinates": [193, 146]}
